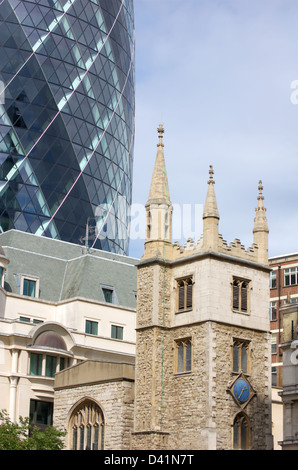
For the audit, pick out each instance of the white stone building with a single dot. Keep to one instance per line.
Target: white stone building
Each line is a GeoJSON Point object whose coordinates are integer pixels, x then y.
{"type": "Point", "coordinates": [59, 307]}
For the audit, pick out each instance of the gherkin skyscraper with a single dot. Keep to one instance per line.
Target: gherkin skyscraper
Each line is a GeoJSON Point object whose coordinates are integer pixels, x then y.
{"type": "Point", "coordinates": [67, 119]}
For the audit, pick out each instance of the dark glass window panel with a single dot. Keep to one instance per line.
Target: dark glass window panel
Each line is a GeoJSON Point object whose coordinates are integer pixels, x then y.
{"type": "Point", "coordinates": [35, 364]}
{"type": "Point", "coordinates": [117, 332]}
{"type": "Point", "coordinates": [29, 287]}
{"type": "Point", "coordinates": [51, 362]}
{"type": "Point", "coordinates": [41, 413]}
{"type": "Point", "coordinates": [108, 295]}
{"type": "Point", "coordinates": [91, 327]}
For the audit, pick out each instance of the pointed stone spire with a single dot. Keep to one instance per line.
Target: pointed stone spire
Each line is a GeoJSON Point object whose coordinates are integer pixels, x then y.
{"type": "Point", "coordinates": [210, 208]}
{"type": "Point", "coordinates": [158, 207]}
{"type": "Point", "coordinates": [210, 216]}
{"type": "Point", "coordinates": [260, 229]}
{"type": "Point", "coordinates": [159, 189]}
{"type": "Point", "coordinates": [261, 224]}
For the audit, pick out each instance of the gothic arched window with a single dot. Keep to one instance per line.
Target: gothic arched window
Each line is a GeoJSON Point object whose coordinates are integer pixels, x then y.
{"type": "Point", "coordinates": [241, 432]}
{"type": "Point", "coordinates": [86, 426]}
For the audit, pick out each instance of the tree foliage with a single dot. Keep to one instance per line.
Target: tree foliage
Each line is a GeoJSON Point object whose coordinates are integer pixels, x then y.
{"type": "Point", "coordinates": [22, 436]}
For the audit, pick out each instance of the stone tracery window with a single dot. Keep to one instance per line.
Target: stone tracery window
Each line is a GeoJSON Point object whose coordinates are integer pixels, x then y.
{"type": "Point", "coordinates": [241, 432]}
{"type": "Point", "coordinates": [183, 358]}
{"type": "Point", "coordinates": [86, 426]}
{"type": "Point", "coordinates": [241, 356]}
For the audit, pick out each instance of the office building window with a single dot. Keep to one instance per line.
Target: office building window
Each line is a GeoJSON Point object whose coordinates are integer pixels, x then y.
{"type": "Point", "coordinates": [46, 365]}
{"type": "Point", "coordinates": [35, 364]}
{"type": "Point", "coordinates": [240, 356]}
{"type": "Point", "coordinates": [25, 319]}
{"type": "Point", "coordinates": [273, 343]}
{"type": "Point", "coordinates": [183, 355]}
{"type": "Point", "coordinates": [185, 296]}
{"type": "Point", "coordinates": [62, 365]}
{"type": "Point", "coordinates": [117, 332]}
{"type": "Point", "coordinates": [108, 295]}
{"type": "Point", "coordinates": [51, 364]}
{"type": "Point", "coordinates": [273, 310]}
{"type": "Point", "coordinates": [241, 295]}
{"type": "Point", "coordinates": [274, 376]}
{"type": "Point", "coordinates": [91, 327]}
{"type": "Point", "coordinates": [290, 276]}
{"type": "Point", "coordinates": [273, 280]}
{"type": "Point", "coordinates": [41, 413]}
{"type": "Point", "coordinates": [28, 320]}
{"type": "Point", "coordinates": [29, 287]}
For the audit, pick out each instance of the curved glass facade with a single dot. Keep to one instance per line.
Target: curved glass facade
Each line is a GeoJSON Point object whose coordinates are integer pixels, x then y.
{"type": "Point", "coordinates": [67, 119]}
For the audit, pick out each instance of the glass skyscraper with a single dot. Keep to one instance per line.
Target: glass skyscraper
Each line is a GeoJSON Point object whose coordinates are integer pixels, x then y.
{"type": "Point", "coordinates": [67, 119]}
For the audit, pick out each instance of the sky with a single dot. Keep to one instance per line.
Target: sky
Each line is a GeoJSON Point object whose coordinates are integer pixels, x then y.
{"type": "Point", "coordinates": [220, 75]}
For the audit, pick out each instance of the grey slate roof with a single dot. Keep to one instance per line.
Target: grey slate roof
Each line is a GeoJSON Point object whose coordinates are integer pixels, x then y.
{"type": "Point", "coordinates": [65, 271]}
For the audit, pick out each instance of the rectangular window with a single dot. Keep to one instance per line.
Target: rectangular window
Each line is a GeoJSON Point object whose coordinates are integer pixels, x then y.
{"type": "Point", "coordinates": [183, 355]}
{"type": "Point", "coordinates": [273, 280]}
{"type": "Point", "coordinates": [117, 332]}
{"type": "Point", "coordinates": [240, 356]}
{"type": "Point", "coordinates": [91, 327]}
{"type": "Point", "coordinates": [35, 364]}
{"type": "Point", "coordinates": [274, 376]}
{"type": "Point", "coordinates": [1, 276]}
{"type": "Point", "coordinates": [273, 310]}
{"type": "Point", "coordinates": [185, 296]}
{"type": "Point", "coordinates": [62, 363]}
{"type": "Point", "coordinates": [25, 319]}
{"type": "Point", "coordinates": [41, 413]}
{"type": "Point", "coordinates": [291, 276]}
{"type": "Point", "coordinates": [240, 295]}
{"type": "Point", "coordinates": [51, 362]}
{"type": "Point", "coordinates": [273, 343]}
{"type": "Point", "coordinates": [29, 287]}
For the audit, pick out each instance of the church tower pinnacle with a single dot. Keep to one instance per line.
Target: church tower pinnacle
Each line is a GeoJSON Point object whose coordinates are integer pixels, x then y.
{"type": "Point", "coordinates": [260, 229]}
{"type": "Point", "coordinates": [210, 216]}
{"type": "Point", "coordinates": [159, 189]}
{"type": "Point", "coordinates": [158, 207]}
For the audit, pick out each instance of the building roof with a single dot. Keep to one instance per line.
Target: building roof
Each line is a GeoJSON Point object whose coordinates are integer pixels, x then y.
{"type": "Point", "coordinates": [283, 258]}
{"type": "Point", "coordinates": [66, 271]}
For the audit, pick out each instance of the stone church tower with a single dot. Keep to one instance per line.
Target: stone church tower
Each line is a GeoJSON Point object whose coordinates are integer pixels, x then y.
{"type": "Point", "coordinates": [203, 377]}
